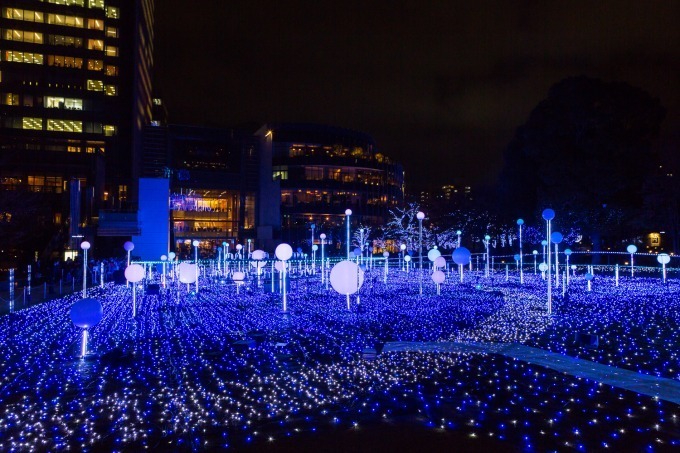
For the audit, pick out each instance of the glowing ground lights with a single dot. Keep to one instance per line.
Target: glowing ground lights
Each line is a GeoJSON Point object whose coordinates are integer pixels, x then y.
{"type": "Point", "coordinates": [222, 370]}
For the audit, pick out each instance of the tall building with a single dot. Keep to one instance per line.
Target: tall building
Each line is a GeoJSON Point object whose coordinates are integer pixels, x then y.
{"type": "Point", "coordinates": [75, 94]}
{"type": "Point", "coordinates": [323, 171]}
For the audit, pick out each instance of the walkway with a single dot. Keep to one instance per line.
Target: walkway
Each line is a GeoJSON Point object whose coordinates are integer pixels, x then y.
{"type": "Point", "coordinates": [663, 388]}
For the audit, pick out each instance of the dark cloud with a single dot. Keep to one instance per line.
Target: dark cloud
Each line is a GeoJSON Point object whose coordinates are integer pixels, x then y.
{"type": "Point", "coordinates": [444, 82]}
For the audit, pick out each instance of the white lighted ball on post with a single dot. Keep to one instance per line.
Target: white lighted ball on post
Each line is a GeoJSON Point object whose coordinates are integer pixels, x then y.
{"type": "Point", "coordinates": [438, 278]}
{"type": "Point", "coordinates": [348, 213]}
{"type": "Point", "coordinates": [567, 254]}
{"type": "Point", "coordinates": [663, 259]}
{"type": "Point", "coordinates": [535, 253]}
{"type": "Point", "coordinates": [402, 249]}
{"type": "Point", "coordinates": [134, 273]}
{"type": "Point", "coordinates": [632, 249]}
{"type": "Point", "coordinates": [322, 236]}
{"type": "Point", "coordinates": [128, 246]}
{"type": "Point", "coordinates": [284, 252]}
{"type": "Point", "coordinates": [85, 246]}
{"type": "Point", "coordinates": [195, 244]}
{"type": "Point", "coordinates": [238, 278]}
{"type": "Point", "coordinates": [346, 278]}
{"type": "Point", "coordinates": [164, 259]}
{"type": "Point", "coordinates": [386, 255]}
{"type": "Point", "coordinates": [407, 260]}
{"type": "Point", "coordinates": [86, 313]}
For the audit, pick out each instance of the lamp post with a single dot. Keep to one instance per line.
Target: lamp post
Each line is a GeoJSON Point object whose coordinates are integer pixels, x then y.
{"type": "Point", "coordinates": [632, 249]}
{"type": "Point", "coordinates": [195, 244]}
{"type": "Point", "coordinates": [239, 247]}
{"type": "Point", "coordinates": [487, 240]}
{"type": "Point", "coordinates": [85, 246]}
{"type": "Point", "coordinates": [520, 222]}
{"type": "Point", "coordinates": [402, 247]}
{"type": "Point", "coordinates": [567, 254]}
{"type": "Point", "coordinates": [458, 233]}
{"type": "Point", "coordinates": [164, 259]}
{"type": "Point", "coordinates": [420, 216]}
{"type": "Point", "coordinates": [322, 236]}
{"type": "Point", "coordinates": [128, 246]}
{"type": "Point", "coordinates": [348, 213]}
{"type": "Point", "coordinates": [225, 251]}
{"type": "Point", "coordinates": [556, 238]}
{"type": "Point", "coordinates": [535, 253]}
{"type": "Point", "coordinates": [313, 227]}
{"type": "Point", "coordinates": [548, 215]}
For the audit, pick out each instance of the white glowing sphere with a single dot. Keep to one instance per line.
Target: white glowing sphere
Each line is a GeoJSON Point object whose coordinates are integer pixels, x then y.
{"type": "Point", "coordinates": [322, 235]}
{"type": "Point", "coordinates": [407, 258]}
{"type": "Point", "coordinates": [85, 245]}
{"type": "Point", "coordinates": [402, 247]}
{"type": "Point", "coordinates": [283, 251]}
{"type": "Point", "coordinates": [420, 215]}
{"type": "Point", "coordinates": [438, 277]}
{"type": "Point", "coordinates": [386, 254]}
{"type": "Point", "coordinates": [631, 248]}
{"type": "Point", "coordinates": [164, 258]}
{"type": "Point", "coordinates": [543, 267]}
{"type": "Point", "coordinates": [134, 273]}
{"type": "Point", "coordinates": [279, 266]}
{"type": "Point", "coordinates": [433, 254]}
{"type": "Point", "coordinates": [348, 212]}
{"type": "Point", "coordinates": [663, 258]}
{"type": "Point", "coordinates": [258, 255]}
{"type": "Point", "coordinates": [171, 256]}
{"type": "Point", "coordinates": [188, 272]}
{"type": "Point", "coordinates": [346, 277]}
{"type": "Point", "coordinates": [315, 247]}
{"type": "Point", "coordinates": [238, 276]}
{"type": "Point", "coordinates": [128, 246]}
{"type": "Point", "coordinates": [239, 246]}
{"type": "Point", "coordinates": [440, 261]}
{"type": "Point", "coordinates": [195, 243]}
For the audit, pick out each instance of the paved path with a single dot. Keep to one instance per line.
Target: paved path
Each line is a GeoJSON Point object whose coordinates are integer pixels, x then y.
{"type": "Point", "coordinates": [663, 388]}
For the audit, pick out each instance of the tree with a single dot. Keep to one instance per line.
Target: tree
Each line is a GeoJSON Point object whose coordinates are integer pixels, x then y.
{"type": "Point", "coordinates": [586, 151]}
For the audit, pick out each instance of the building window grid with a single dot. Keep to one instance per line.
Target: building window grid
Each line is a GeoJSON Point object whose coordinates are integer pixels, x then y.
{"type": "Point", "coordinates": [23, 14]}
{"type": "Point", "coordinates": [23, 57]}
{"type": "Point", "coordinates": [10, 34]}
{"type": "Point", "coordinates": [65, 20]}
{"type": "Point", "coordinates": [64, 61]}
{"type": "Point", "coordinates": [67, 41]}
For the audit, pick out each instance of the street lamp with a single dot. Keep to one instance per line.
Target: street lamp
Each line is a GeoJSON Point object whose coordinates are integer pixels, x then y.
{"type": "Point", "coordinates": [548, 215]}
{"type": "Point", "coordinates": [322, 236]}
{"type": "Point", "coordinates": [556, 238]}
{"type": "Point", "coordinates": [520, 222]}
{"type": "Point", "coordinates": [85, 246]}
{"type": "Point", "coordinates": [195, 244]}
{"type": "Point", "coordinates": [458, 232]}
{"type": "Point", "coordinates": [535, 253]}
{"type": "Point", "coordinates": [487, 240]}
{"type": "Point", "coordinates": [420, 216]}
{"type": "Point", "coordinates": [348, 213]}
{"type": "Point", "coordinates": [632, 248]}
{"type": "Point", "coordinates": [402, 247]}
{"type": "Point", "coordinates": [128, 246]}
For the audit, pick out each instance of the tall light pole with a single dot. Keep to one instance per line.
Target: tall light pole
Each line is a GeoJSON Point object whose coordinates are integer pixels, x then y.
{"type": "Point", "coordinates": [85, 246]}
{"type": "Point", "coordinates": [632, 248]}
{"type": "Point", "coordinates": [535, 253]}
{"type": "Point", "coordinates": [487, 240]}
{"type": "Point", "coordinates": [348, 213]}
{"type": "Point", "coordinates": [312, 244]}
{"type": "Point", "coordinates": [420, 216]}
{"type": "Point", "coordinates": [322, 236]}
{"type": "Point", "coordinates": [458, 232]}
{"type": "Point", "coordinates": [548, 215]}
{"type": "Point", "coordinates": [402, 247]}
{"type": "Point", "coordinates": [128, 246]}
{"type": "Point", "coordinates": [556, 238]}
{"type": "Point", "coordinates": [520, 222]}
{"type": "Point", "coordinates": [195, 244]}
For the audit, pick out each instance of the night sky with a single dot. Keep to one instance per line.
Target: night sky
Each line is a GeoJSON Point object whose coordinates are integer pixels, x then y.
{"type": "Point", "coordinates": [441, 85]}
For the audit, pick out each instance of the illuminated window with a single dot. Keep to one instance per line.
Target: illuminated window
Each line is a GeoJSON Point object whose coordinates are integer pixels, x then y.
{"type": "Point", "coordinates": [64, 62]}
{"type": "Point", "coordinates": [45, 183]}
{"type": "Point", "coordinates": [95, 44]}
{"type": "Point", "coordinates": [95, 85]}
{"type": "Point", "coordinates": [111, 70]}
{"type": "Point", "coordinates": [92, 128]}
{"type": "Point", "coordinates": [314, 173]}
{"type": "Point", "coordinates": [111, 90]}
{"type": "Point", "coordinates": [295, 152]}
{"type": "Point", "coordinates": [280, 175]}
{"type": "Point", "coordinates": [112, 12]}
{"type": "Point", "coordinates": [96, 4]}
{"type": "Point", "coordinates": [109, 130]}
{"type": "Point", "coordinates": [111, 32]}
{"type": "Point", "coordinates": [35, 124]}
{"type": "Point", "coordinates": [65, 126]}
{"type": "Point", "coordinates": [68, 41]}
{"type": "Point", "coordinates": [73, 149]}
{"type": "Point", "coordinates": [111, 51]}
{"type": "Point", "coordinates": [23, 57]}
{"type": "Point", "coordinates": [25, 36]}
{"type": "Point", "coordinates": [22, 14]}
{"type": "Point", "coordinates": [52, 102]}
{"type": "Point", "coordinates": [122, 192]}
{"type": "Point", "coordinates": [68, 21]}
{"type": "Point", "coordinates": [95, 65]}
{"type": "Point", "coordinates": [66, 2]}
{"type": "Point", "coordinates": [9, 99]}
{"type": "Point", "coordinates": [95, 24]}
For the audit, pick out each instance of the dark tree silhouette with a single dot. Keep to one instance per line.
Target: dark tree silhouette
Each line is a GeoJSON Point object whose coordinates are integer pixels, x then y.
{"type": "Point", "coordinates": [586, 151]}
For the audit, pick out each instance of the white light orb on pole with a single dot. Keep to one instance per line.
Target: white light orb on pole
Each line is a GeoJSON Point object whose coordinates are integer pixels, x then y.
{"type": "Point", "coordinates": [433, 254]}
{"type": "Point", "coordinates": [284, 252]}
{"type": "Point", "coordinates": [632, 249]}
{"type": "Point", "coordinates": [134, 273]}
{"type": "Point", "coordinates": [85, 246]}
